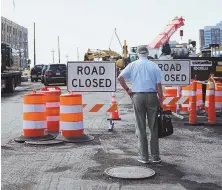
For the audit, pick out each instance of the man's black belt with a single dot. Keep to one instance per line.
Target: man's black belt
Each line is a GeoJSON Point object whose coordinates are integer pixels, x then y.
{"type": "Point", "coordinates": [144, 92]}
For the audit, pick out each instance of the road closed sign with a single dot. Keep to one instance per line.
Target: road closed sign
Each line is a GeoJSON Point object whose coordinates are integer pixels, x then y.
{"type": "Point", "coordinates": [175, 72]}
{"type": "Point", "coordinates": [91, 76]}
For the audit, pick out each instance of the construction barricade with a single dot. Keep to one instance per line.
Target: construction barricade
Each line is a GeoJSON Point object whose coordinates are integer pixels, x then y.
{"type": "Point", "coordinates": [170, 93]}
{"type": "Point", "coordinates": [173, 94]}
{"type": "Point", "coordinates": [71, 119]}
{"type": "Point", "coordinates": [185, 92]}
{"type": "Point", "coordinates": [34, 118]}
{"type": "Point", "coordinates": [52, 107]}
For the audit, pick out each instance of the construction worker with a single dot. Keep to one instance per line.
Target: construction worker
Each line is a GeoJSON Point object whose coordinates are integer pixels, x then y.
{"type": "Point", "coordinates": [146, 78]}
{"type": "Point", "coordinates": [166, 52]}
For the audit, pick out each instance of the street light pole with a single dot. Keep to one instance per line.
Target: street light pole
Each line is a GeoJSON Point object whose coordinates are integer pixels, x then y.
{"type": "Point", "coordinates": [77, 53]}
{"type": "Point", "coordinates": [58, 49]}
{"type": "Point", "coordinates": [34, 46]}
{"type": "Point", "coordinates": [53, 55]}
{"type": "Point", "coordinates": [67, 57]}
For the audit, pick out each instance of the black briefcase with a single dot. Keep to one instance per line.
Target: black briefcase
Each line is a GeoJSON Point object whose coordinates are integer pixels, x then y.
{"type": "Point", "coordinates": [165, 127]}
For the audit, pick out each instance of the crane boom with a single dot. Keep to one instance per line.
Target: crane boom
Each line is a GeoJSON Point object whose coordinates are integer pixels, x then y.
{"type": "Point", "coordinates": [170, 29]}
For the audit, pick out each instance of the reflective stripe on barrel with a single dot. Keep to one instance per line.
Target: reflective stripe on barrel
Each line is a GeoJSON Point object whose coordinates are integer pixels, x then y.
{"type": "Point", "coordinates": [71, 115]}
{"type": "Point", "coordinates": [34, 117]}
{"type": "Point", "coordinates": [199, 96]}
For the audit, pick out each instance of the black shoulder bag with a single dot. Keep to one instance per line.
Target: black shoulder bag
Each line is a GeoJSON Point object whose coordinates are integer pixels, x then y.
{"type": "Point", "coordinates": [165, 127]}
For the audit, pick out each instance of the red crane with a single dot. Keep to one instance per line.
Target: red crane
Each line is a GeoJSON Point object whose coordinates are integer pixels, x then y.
{"type": "Point", "coordinates": [170, 29]}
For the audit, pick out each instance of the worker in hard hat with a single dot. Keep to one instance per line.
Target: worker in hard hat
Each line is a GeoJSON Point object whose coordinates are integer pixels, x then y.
{"type": "Point", "coordinates": [146, 96]}
{"type": "Point", "coordinates": [166, 52]}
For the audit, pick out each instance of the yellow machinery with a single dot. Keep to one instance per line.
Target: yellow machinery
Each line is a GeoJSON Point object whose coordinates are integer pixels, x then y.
{"type": "Point", "coordinates": [109, 55]}
{"type": "Point", "coordinates": [106, 55]}
{"type": "Point", "coordinates": [121, 63]}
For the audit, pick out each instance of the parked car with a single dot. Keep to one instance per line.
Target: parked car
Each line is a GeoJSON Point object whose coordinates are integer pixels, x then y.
{"type": "Point", "coordinates": [55, 73]}
{"type": "Point", "coordinates": [36, 73]}
{"type": "Point", "coordinates": [43, 73]}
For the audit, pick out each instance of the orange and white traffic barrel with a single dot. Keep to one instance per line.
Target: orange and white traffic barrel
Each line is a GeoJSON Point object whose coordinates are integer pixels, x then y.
{"type": "Point", "coordinates": [52, 107]}
{"type": "Point", "coordinates": [218, 96]}
{"type": "Point", "coordinates": [185, 92]}
{"type": "Point", "coordinates": [34, 118]}
{"type": "Point", "coordinates": [71, 118]}
{"type": "Point", "coordinates": [170, 92]}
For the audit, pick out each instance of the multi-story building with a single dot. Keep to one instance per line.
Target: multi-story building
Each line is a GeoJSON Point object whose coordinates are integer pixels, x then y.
{"type": "Point", "coordinates": [211, 35]}
{"type": "Point", "coordinates": [17, 37]}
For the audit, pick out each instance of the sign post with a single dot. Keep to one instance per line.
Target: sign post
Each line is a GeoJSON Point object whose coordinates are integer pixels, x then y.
{"type": "Point", "coordinates": [175, 72]}
{"type": "Point", "coordinates": [92, 77]}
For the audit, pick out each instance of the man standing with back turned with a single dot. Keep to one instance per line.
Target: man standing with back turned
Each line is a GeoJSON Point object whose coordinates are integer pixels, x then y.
{"type": "Point", "coordinates": [146, 77]}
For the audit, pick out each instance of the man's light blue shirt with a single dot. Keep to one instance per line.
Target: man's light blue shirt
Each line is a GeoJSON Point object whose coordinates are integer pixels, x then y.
{"type": "Point", "coordinates": [144, 75]}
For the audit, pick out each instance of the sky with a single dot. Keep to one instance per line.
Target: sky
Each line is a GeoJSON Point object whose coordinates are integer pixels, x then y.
{"type": "Point", "coordinates": [87, 24]}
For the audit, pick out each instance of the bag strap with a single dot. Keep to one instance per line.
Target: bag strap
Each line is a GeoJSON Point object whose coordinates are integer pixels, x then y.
{"type": "Point", "coordinates": [160, 110]}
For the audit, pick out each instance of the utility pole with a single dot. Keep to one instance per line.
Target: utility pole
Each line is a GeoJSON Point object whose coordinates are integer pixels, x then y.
{"type": "Point", "coordinates": [67, 57]}
{"type": "Point", "coordinates": [53, 55]}
{"type": "Point", "coordinates": [58, 49]}
{"type": "Point", "coordinates": [34, 46]}
{"type": "Point", "coordinates": [77, 53]}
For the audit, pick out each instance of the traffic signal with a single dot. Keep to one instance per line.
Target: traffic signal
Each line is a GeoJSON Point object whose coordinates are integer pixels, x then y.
{"type": "Point", "coordinates": [29, 64]}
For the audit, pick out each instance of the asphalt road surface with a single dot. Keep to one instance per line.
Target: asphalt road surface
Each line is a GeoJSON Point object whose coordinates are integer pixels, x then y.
{"type": "Point", "coordinates": [191, 157]}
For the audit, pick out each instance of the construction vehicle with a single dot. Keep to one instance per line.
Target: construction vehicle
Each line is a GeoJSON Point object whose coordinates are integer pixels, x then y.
{"type": "Point", "coordinates": [164, 37]}
{"type": "Point", "coordinates": [105, 55]}
{"type": "Point", "coordinates": [10, 74]}
{"type": "Point", "coordinates": [175, 51]}
{"type": "Point", "coordinates": [154, 46]}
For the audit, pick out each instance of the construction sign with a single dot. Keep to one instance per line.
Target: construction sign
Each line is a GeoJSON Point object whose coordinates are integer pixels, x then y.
{"type": "Point", "coordinates": [175, 72]}
{"type": "Point", "coordinates": [91, 76]}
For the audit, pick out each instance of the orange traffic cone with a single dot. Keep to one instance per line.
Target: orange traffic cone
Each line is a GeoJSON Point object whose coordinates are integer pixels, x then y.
{"type": "Point", "coordinates": [114, 115]}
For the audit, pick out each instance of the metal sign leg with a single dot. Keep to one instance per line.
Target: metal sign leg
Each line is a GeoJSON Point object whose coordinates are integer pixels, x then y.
{"type": "Point", "coordinates": [111, 125]}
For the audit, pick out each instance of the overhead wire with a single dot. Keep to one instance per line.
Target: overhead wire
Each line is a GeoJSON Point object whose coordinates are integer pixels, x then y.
{"type": "Point", "coordinates": [114, 32]}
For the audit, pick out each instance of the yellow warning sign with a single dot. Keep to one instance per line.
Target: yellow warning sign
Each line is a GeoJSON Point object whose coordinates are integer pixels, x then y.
{"type": "Point", "coordinates": [219, 68]}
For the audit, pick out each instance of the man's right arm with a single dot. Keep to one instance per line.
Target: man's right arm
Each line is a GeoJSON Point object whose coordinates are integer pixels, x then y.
{"type": "Point", "coordinates": [159, 86]}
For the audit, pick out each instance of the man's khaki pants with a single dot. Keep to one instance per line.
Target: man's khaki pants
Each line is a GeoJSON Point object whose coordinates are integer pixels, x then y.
{"type": "Point", "coordinates": [146, 104]}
